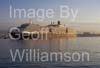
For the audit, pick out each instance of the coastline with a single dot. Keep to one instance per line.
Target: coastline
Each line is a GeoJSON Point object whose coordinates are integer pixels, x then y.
{"type": "Point", "coordinates": [4, 36]}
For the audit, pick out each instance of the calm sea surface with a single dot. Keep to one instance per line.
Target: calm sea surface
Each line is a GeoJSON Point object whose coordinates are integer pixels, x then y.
{"type": "Point", "coordinates": [80, 44]}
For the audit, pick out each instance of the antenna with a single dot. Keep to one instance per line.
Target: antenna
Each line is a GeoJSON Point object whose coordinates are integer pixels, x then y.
{"type": "Point", "coordinates": [30, 21]}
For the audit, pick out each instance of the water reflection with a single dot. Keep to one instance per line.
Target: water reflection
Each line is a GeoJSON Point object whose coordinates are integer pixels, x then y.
{"type": "Point", "coordinates": [89, 44]}
{"type": "Point", "coordinates": [47, 45]}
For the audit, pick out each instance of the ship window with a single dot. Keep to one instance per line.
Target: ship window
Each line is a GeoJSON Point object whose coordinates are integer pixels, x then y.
{"type": "Point", "coordinates": [66, 30]}
{"type": "Point", "coordinates": [50, 30]}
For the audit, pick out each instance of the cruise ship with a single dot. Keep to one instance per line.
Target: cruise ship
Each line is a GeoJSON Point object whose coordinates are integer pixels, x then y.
{"type": "Point", "coordinates": [51, 31]}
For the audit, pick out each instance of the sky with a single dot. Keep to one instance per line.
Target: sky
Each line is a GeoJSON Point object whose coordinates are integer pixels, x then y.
{"type": "Point", "coordinates": [88, 17]}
